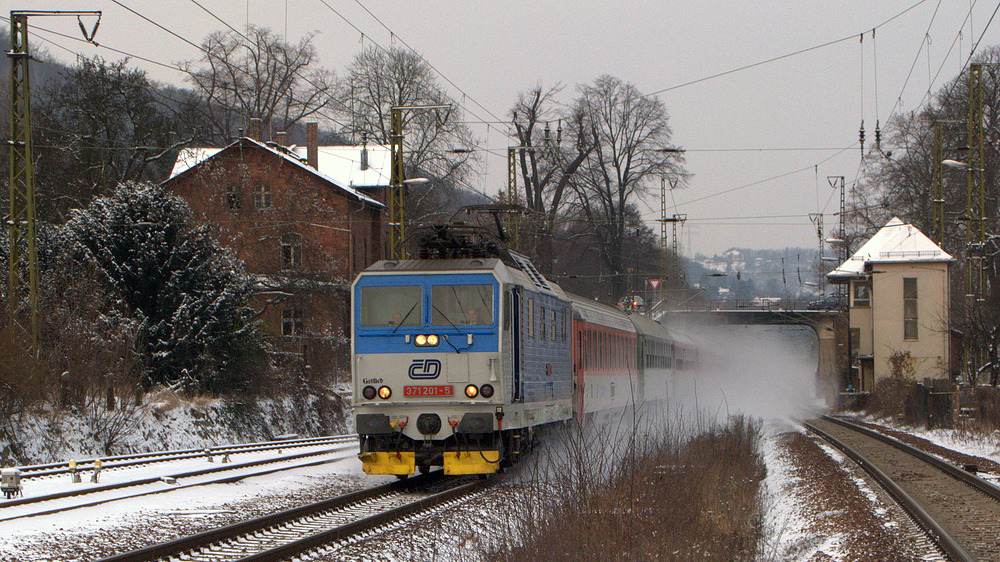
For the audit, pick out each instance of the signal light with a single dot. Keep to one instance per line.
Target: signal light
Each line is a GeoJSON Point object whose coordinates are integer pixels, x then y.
{"type": "Point", "coordinates": [384, 392]}
{"type": "Point", "coordinates": [486, 390]}
{"type": "Point", "coordinates": [471, 391]}
{"type": "Point", "coordinates": [368, 393]}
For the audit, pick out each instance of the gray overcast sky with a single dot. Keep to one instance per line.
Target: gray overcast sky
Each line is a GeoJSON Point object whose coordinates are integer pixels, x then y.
{"type": "Point", "coordinates": [760, 142]}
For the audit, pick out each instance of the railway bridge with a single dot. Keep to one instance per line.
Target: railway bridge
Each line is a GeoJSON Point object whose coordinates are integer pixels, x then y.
{"type": "Point", "coordinates": [830, 326]}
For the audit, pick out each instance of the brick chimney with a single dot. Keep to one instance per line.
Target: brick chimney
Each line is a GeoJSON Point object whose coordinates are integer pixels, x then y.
{"type": "Point", "coordinates": [281, 138]}
{"type": "Point", "coordinates": [312, 144]}
{"type": "Point", "coordinates": [255, 124]}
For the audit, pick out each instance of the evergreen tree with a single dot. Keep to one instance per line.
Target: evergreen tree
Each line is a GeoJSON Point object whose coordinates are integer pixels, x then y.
{"type": "Point", "coordinates": [189, 292]}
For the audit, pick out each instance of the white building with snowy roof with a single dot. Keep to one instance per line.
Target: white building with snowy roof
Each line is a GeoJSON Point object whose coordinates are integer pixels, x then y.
{"type": "Point", "coordinates": [899, 305]}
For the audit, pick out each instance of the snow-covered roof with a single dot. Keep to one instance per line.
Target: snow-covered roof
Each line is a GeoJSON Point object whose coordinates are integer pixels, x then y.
{"type": "Point", "coordinates": [343, 163]}
{"type": "Point", "coordinates": [896, 242]}
{"type": "Point", "coordinates": [339, 165]}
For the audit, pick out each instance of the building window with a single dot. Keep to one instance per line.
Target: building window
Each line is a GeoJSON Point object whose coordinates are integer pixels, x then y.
{"type": "Point", "coordinates": [291, 322]}
{"type": "Point", "coordinates": [862, 293]}
{"type": "Point", "coordinates": [909, 308]}
{"type": "Point", "coordinates": [262, 197]}
{"type": "Point", "coordinates": [291, 251]}
{"type": "Point", "coordinates": [531, 318]}
{"type": "Point", "coordinates": [233, 198]}
{"type": "Point", "coordinates": [542, 323]}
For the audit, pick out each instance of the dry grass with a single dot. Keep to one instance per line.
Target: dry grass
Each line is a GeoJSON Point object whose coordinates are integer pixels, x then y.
{"type": "Point", "coordinates": [614, 492]}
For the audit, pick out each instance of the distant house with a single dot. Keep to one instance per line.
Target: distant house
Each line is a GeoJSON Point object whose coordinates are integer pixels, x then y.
{"type": "Point", "coordinates": [305, 220]}
{"type": "Point", "coordinates": [899, 305]}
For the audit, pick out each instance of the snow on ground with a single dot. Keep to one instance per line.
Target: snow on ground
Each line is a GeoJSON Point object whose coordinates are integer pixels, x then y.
{"type": "Point", "coordinates": [167, 422]}
{"type": "Point", "coordinates": [135, 522]}
{"type": "Point", "coordinates": [820, 507]}
{"type": "Point", "coordinates": [984, 445]}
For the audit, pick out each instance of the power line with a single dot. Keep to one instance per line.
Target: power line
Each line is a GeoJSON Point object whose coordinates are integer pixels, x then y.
{"type": "Point", "coordinates": [772, 178]}
{"type": "Point", "coordinates": [780, 57]}
{"type": "Point", "coordinates": [441, 74]}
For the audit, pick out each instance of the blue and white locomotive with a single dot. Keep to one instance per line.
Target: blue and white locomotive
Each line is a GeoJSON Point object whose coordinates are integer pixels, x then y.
{"type": "Point", "coordinates": [459, 355]}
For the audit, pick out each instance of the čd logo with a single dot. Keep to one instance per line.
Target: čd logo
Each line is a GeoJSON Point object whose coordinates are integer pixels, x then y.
{"type": "Point", "coordinates": [425, 369]}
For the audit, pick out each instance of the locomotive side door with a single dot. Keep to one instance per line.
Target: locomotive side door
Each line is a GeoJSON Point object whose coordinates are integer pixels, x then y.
{"type": "Point", "coordinates": [515, 324]}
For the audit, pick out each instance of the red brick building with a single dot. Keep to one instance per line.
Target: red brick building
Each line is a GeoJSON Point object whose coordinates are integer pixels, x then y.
{"type": "Point", "coordinates": [303, 234]}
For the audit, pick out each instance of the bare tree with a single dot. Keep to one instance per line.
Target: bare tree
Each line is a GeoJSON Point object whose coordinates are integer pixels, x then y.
{"type": "Point", "coordinates": [631, 149]}
{"type": "Point", "coordinates": [258, 75]}
{"type": "Point", "coordinates": [100, 123]}
{"type": "Point", "coordinates": [378, 80]}
{"type": "Point", "coordinates": [546, 165]}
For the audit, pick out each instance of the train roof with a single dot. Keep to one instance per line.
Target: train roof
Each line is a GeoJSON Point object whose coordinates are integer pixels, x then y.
{"type": "Point", "coordinates": [601, 314]}
{"type": "Point", "coordinates": [527, 276]}
{"type": "Point", "coordinates": [423, 266]}
{"type": "Point", "coordinates": [649, 327]}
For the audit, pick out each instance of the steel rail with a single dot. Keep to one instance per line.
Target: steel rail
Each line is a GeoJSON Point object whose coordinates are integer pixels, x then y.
{"type": "Point", "coordinates": [984, 486]}
{"type": "Point", "coordinates": [344, 532]}
{"type": "Point", "coordinates": [941, 538]}
{"type": "Point", "coordinates": [182, 545]}
{"type": "Point", "coordinates": [151, 480]}
{"type": "Point", "coordinates": [132, 459]}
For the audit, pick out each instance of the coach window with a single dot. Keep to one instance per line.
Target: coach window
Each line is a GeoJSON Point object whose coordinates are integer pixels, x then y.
{"type": "Point", "coordinates": [606, 351]}
{"type": "Point", "coordinates": [457, 305]}
{"type": "Point", "coordinates": [597, 349]}
{"type": "Point", "coordinates": [391, 306]}
{"type": "Point", "coordinates": [614, 351]}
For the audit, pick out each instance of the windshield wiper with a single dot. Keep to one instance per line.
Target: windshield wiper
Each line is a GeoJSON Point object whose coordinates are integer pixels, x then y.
{"type": "Point", "coordinates": [445, 337]}
{"type": "Point", "coordinates": [403, 321]}
{"type": "Point", "coordinates": [445, 316]}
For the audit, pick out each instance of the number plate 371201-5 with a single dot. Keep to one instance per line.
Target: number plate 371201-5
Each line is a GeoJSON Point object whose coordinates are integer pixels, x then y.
{"type": "Point", "coordinates": [430, 390]}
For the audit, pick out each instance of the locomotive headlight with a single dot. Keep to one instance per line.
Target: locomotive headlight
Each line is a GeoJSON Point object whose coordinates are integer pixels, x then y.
{"type": "Point", "coordinates": [471, 391]}
{"type": "Point", "coordinates": [368, 392]}
{"type": "Point", "coordinates": [384, 392]}
{"type": "Point", "coordinates": [486, 390]}
{"type": "Point", "coordinates": [424, 340]}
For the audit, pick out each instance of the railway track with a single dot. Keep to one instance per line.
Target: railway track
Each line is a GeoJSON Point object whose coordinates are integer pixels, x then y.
{"type": "Point", "coordinates": [958, 510]}
{"type": "Point", "coordinates": [138, 459]}
{"type": "Point", "coordinates": [316, 526]}
{"type": "Point", "coordinates": [107, 492]}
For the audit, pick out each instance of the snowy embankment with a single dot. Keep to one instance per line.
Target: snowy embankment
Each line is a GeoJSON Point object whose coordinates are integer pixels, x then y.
{"type": "Point", "coordinates": [165, 421]}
